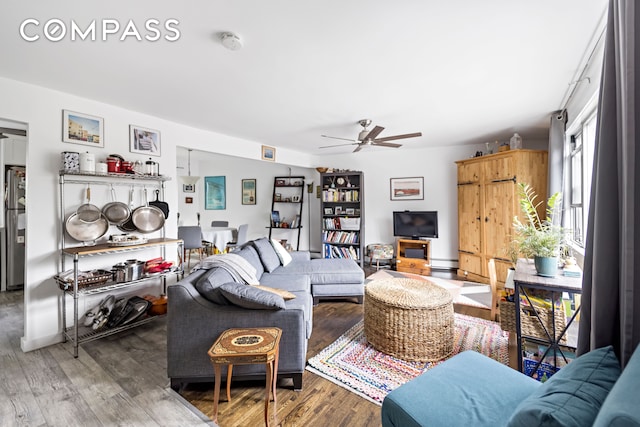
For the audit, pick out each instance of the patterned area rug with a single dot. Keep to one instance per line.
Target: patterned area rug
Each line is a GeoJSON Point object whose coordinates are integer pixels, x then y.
{"type": "Point", "coordinates": [354, 364]}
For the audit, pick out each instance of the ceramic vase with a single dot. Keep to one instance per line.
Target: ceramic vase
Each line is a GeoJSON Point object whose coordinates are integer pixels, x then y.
{"type": "Point", "coordinates": [546, 266]}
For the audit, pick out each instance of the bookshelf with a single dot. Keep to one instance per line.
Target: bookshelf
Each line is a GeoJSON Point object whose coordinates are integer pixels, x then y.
{"type": "Point", "coordinates": [286, 207]}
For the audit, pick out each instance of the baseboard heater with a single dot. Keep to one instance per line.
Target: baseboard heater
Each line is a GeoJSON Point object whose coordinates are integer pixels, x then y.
{"type": "Point", "coordinates": [444, 264]}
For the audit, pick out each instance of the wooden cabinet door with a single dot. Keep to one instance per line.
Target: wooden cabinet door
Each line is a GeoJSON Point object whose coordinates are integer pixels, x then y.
{"type": "Point", "coordinates": [499, 204]}
{"type": "Point", "coordinates": [469, 172]}
{"type": "Point", "coordinates": [469, 218]}
{"type": "Point", "coordinates": [500, 168]}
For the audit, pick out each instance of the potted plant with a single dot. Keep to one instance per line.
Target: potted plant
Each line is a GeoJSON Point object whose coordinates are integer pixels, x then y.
{"type": "Point", "coordinates": [542, 239]}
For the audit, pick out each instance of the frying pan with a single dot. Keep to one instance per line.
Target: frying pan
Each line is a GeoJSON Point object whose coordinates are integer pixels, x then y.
{"type": "Point", "coordinates": [116, 212]}
{"type": "Point", "coordinates": [128, 226]}
{"type": "Point", "coordinates": [86, 232]}
{"type": "Point", "coordinates": [87, 212]}
{"type": "Point", "coordinates": [163, 206]}
{"type": "Point", "coordinates": [147, 219]}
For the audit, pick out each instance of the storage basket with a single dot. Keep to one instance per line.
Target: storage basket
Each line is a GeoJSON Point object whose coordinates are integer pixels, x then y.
{"type": "Point", "coordinates": [529, 323]}
{"type": "Point", "coordinates": [85, 279]}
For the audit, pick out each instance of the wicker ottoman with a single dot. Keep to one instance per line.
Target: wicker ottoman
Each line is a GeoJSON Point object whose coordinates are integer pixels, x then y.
{"type": "Point", "coordinates": [409, 319]}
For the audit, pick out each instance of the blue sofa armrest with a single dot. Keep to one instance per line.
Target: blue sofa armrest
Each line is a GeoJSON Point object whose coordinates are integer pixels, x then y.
{"type": "Point", "coordinates": [468, 389]}
{"type": "Point", "coordinates": [621, 408]}
{"type": "Point", "coordinates": [300, 255]}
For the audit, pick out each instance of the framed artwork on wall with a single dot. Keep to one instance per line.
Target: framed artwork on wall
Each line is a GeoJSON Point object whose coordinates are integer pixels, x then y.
{"type": "Point", "coordinates": [79, 128]}
{"type": "Point", "coordinates": [407, 188]}
{"type": "Point", "coordinates": [215, 193]}
{"type": "Point", "coordinates": [268, 153]}
{"type": "Point", "coordinates": [248, 191]}
{"type": "Point", "coordinates": [188, 188]}
{"type": "Point", "coordinates": [144, 141]}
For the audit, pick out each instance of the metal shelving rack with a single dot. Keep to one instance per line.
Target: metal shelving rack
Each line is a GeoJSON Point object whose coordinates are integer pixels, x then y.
{"type": "Point", "coordinates": [79, 334]}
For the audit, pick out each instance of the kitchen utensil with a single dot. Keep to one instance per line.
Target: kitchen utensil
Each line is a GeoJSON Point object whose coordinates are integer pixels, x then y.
{"type": "Point", "coordinates": [87, 162]}
{"type": "Point", "coordinates": [87, 212]}
{"type": "Point", "coordinates": [113, 164]}
{"type": "Point", "coordinates": [151, 167]}
{"type": "Point", "coordinates": [128, 226]}
{"type": "Point", "coordinates": [120, 272]}
{"type": "Point", "coordinates": [147, 219]}
{"type": "Point", "coordinates": [86, 232]}
{"type": "Point", "coordinates": [134, 270]}
{"type": "Point", "coordinates": [116, 212]}
{"type": "Point", "coordinates": [163, 206]}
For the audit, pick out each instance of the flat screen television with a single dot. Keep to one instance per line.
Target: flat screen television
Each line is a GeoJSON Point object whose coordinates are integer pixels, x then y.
{"type": "Point", "coordinates": [415, 224]}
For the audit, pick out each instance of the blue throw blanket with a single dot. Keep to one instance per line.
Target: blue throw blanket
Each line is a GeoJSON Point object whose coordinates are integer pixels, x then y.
{"type": "Point", "coordinates": [239, 268]}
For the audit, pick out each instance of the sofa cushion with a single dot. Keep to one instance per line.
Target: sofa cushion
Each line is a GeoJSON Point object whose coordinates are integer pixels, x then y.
{"type": "Point", "coordinates": [283, 254]}
{"type": "Point", "coordinates": [251, 297]}
{"type": "Point", "coordinates": [209, 285]}
{"type": "Point", "coordinates": [268, 255]}
{"type": "Point", "coordinates": [282, 292]}
{"type": "Point", "coordinates": [249, 253]}
{"type": "Point", "coordinates": [290, 283]}
{"type": "Point", "coordinates": [573, 396]}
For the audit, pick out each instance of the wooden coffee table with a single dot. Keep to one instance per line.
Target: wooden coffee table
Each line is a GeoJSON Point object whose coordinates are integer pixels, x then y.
{"type": "Point", "coordinates": [246, 346]}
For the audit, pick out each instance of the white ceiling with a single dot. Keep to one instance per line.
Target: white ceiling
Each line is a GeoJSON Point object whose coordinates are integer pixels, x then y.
{"type": "Point", "coordinates": [459, 71]}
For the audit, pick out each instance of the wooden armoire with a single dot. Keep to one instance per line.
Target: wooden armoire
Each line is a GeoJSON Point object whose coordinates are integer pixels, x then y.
{"type": "Point", "coordinates": [487, 204]}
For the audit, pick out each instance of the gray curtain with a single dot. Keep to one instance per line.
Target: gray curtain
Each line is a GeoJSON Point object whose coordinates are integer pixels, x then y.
{"type": "Point", "coordinates": [611, 282]}
{"type": "Point", "coordinates": [556, 152]}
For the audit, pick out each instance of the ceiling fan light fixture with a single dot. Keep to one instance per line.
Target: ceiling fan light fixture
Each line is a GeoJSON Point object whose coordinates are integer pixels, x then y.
{"type": "Point", "coordinates": [231, 41]}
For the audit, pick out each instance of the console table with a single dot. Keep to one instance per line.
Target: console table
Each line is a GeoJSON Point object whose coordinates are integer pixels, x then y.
{"type": "Point", "coordinates": [526, 278]}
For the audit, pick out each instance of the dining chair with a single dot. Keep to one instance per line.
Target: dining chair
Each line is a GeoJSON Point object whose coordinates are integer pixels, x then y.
{"type": "Point", "coordinates": [191, 235]}
{"type": "Point", "coordinates": [219, 223]}
{"type": "Point", "coordinates": [241, 237]}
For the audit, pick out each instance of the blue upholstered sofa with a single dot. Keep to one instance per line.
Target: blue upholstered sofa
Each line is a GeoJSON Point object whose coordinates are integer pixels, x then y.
{"type": "Point", "coordinates": [207, 302]}
{"type": "Point", "coordinates": [473, 390]}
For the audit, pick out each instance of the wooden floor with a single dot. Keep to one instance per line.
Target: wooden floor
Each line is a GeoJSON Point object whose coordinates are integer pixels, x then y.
{"type": "Point", "coordinates": [121, 380]}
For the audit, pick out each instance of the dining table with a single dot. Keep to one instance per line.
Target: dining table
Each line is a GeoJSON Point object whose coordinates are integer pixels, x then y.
{"type": "Point", "coordinates": [218, 237]}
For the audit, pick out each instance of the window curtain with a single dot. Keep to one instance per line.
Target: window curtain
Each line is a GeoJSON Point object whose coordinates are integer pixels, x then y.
{"type": "Point", "coordinates": [556, 152]}
{"type": "Point", "coordinates": [610, 312]}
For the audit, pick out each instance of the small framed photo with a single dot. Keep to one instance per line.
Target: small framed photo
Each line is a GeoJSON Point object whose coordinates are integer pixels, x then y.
{"type": "Point", "coordinates": [188, 188]}
{"type": "Point", "coordinates": [144, 141]}
{"type": "Point", "coordinates": [338, 210]}
{"type": "Point", "coordinates": [328, 211]}
{"type": "Point", "coordinates": [248, 191]}
{"type": "Point", "coordinates": [188, 200]}
{"type": "Point", "coordinates": [407, 188]}
{"type": "Point", "coordinates": [280, 182]}
{"type": "Point", "coordinates": [79, 128]}
{"type": "Point", "coordinates": [277, 197]}
{"type": "Point", "coordinates": [268, 153]}
{"type": "Point", "coordinates": [350, 211]}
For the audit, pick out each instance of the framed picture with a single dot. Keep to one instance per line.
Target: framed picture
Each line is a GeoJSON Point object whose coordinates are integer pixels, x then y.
{"type": "Point", "coordinates": [407, 188]}
{"type": "Point", "coordinates": [328, 211]}
{"type": "Point", "coordinates": [338, 210]}
{"type": "Point", "coordinates": [268, 153]}
{"type": "Point", "coordinates": [350, 211]}
{"type": "Point", "coordinates": [188, 188]}
{"type": "Point", "coordinates": [188, 200]}
{"type": "Point", "coordinates": [79, 128]}
{"type": "Point", "coordinates": [215, 193]}
{"type": "Point", "coordinates": [144, 141]}
{"type": "Point", "coordinates": [248, 191]}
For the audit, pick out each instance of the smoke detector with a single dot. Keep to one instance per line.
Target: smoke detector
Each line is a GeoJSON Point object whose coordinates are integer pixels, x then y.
{"type": "Point", "coordinates": [231, 41]}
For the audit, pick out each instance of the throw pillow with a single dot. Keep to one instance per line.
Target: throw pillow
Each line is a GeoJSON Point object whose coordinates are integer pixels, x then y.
{"type": "Point", "coordinates": [573, 396]}
{"type": "Point", "coordinates": [267, 254]}
{"type": "Point", "coordinates": [251, 297]}
{"type": "Point", "coordinates": [209, 285]}
{"type": "Point", "coordinates": [282, 292]}
{"type": "Point", "coordinates": [283, 254]}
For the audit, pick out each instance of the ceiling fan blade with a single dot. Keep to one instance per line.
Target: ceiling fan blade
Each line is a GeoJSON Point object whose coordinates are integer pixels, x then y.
{"type": "Point", "coordinates": [358, 148]}
{"type": "Point", "coordinates": [406, 135]}
{"type": "Point", "coordinates": [335, 137]}
{"type": "Point", "coordinates": [374, 132]}
{"type": "Point", "coordinates": [338, 145]}
{"type": "Point", "coordinates": [386, 144]}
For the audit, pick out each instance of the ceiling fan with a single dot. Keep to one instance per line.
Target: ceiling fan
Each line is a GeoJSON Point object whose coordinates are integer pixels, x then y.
{"type": "Point", "coordinates": [369, 137]}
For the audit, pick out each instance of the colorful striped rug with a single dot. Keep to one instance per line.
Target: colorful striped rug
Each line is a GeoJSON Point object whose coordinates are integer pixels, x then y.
{"type": "Point", "coordinates": [354, 364]}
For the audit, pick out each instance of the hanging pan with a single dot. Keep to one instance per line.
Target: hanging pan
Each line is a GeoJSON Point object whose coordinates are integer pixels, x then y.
{"type": "Point", "coordinates": [163, 206]}
{"type": "Point", "coordinates": [116, 212]}
{"type": "Point", "coordinates": [128, 226]}
{"type": "Point", "coordinates": [87, 212]}
{"type": "Point", "coordinates": [86, 232]}
{"type": "Point", "coordinates": [147, 219]}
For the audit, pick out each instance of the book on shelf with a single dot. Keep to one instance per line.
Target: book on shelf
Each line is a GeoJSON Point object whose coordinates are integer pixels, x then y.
{"type": "Point", "coordinates": [572, 271]}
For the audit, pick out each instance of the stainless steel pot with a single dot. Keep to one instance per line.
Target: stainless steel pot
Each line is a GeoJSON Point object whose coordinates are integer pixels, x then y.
{"type": "Point", "coordinates": [86, 232]}
{"type": "Point", "coordinates": [120, 272]}
{"type": "Point", "coordinates": [147, 219]}
{"type": "Point", "coordinates": [134, 270]}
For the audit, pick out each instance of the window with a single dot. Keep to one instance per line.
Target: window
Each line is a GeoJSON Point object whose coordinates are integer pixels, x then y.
{"type": "Point", "coordinates": [580, 142]}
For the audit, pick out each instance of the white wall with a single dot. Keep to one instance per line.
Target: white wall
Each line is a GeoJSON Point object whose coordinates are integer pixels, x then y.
{"type": "Point", "coordinates": [41, 109]}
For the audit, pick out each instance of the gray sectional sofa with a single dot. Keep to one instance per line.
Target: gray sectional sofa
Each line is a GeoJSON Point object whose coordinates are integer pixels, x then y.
{"type": "Point", "coordinates": [208, 301]}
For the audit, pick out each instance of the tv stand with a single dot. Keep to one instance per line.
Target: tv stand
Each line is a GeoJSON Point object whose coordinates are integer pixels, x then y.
{"type": "Point", "coordinates": [413, 256]}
